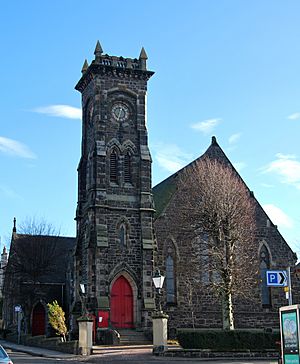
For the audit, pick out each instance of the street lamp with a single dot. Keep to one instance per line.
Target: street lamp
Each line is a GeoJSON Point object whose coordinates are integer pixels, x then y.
{"type": "Point", "coordinates": [83, 298]}
{"type": "Point", "coordinates": [158, 281]}
{"type": "Point", "coordinates": [82, 288]}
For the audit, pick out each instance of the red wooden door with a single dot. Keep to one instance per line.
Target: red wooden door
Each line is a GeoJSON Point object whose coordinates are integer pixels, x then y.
{"type": "Point", "coordinates": [38, 320]}
{"type": "Point", "coordinates": [121, 304]}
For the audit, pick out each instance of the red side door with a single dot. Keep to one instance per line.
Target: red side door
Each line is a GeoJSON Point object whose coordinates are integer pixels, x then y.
{"type": "Point", "coordinates": [121, 304]}
{"type": "Point", "coordinates": [38, 320]}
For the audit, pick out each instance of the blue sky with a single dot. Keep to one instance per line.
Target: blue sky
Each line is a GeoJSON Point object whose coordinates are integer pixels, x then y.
{"type": "Point", "coordinates": [225, 68]}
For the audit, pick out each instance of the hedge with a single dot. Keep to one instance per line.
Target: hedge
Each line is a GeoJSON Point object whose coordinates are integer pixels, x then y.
{"type": "Point", "coordinates": [228, 340]}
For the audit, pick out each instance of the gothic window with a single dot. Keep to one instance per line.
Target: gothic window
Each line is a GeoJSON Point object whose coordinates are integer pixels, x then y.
{"type": "Point", "coordinates": [264, 266]}
{"type": "Point", "coordinates": [204, 259]}
{"type": "Point", "coordinates": [122, 235]}
{"type": "Point", "coordinates": [170, 280]}
{"type": "Point", "coordinates": [127, 168]}
{"type": "Point", "coordinates": [88, 130]}
{"type": "Point", "coordinates": [113, 171]}
{"type": "Point", "coordinates": [89, 172]}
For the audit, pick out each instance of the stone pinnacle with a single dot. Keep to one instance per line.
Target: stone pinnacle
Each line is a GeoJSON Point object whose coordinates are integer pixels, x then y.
{"type": "Point", "coordinates": [85, 66]}
{"type": "Point", "coordinates": [143, 54]}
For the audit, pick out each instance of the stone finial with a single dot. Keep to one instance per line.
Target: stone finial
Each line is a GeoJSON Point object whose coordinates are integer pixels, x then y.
{"type": "Point", "coordinates": [143, 54]}
{"type": "Point", "coordinates": [98, 51]}
{"type": "Point", "coordinates": [15, 225]}
{"type": "Point", "coordinates": [143, 59]}
{"type": "Point", "coordinates": [213, 140]}
{"type": "Point", "coordinates": [85, 66]}
{"type": "Point", "coordinates": [4, 250]}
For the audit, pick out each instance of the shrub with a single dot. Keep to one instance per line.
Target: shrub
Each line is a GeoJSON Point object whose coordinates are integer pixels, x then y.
{"type": "Point", "coordinates": [57, 319]}
{"type": "Point", "coordinates": [228, 340]}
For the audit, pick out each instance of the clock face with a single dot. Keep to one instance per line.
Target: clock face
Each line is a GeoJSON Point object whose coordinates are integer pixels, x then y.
{"type": "Point", "coordinates": [120, 111]}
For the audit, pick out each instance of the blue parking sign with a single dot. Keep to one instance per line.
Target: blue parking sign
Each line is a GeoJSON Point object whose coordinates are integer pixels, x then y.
{"type": "Point", "coordinates": [277, 278]}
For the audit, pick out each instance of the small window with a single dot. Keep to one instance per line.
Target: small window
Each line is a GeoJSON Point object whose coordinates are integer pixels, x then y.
{"type": "Point", "coordinates": [204, 259]}
{"type": "Point", "coordinates": [127, 168]}
{"type": "Point", "coordinates": [170, 280]}
{"type": "Point", "coordinates": [113, 172]}
{"type": "Point", "coordinates": [264, 266]}
{"type": "Point", "coordinates": [122, 235]}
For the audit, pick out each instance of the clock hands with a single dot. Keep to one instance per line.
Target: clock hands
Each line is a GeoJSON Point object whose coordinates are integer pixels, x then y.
{"type": "Point", "coordinates": [120, 111]}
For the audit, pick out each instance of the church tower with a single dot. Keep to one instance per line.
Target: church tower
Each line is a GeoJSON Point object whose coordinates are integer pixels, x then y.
{"type": "Point", "coordinates": [115, 240]}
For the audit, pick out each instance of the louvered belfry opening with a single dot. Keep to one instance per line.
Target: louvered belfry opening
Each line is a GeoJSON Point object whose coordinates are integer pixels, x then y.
{"type": "Point", "coordinates": [113, 173]}
{"type": "Point", "coordinates": [127, 168]}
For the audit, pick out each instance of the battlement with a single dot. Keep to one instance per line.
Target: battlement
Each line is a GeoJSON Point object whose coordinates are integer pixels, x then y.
{"type": "Point", "coordinates": [120, 62]}
{"type": "Point", "coordinates": [120, 66]}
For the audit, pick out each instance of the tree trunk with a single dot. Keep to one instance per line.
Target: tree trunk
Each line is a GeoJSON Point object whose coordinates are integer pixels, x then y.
{"type": "Point", "coordinates": [227, 311]}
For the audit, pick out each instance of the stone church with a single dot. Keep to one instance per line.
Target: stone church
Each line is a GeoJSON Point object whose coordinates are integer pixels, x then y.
{"type": "Point", "coordinates": [126, 229]}
{"type": "Point", "coordinates": [122, 236]}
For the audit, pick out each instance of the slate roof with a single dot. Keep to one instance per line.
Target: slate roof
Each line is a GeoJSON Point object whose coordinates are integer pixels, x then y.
{"type": "Point", "coordinates": [163, 192]}
{"type": "Point", "coordinates": [61, 257]}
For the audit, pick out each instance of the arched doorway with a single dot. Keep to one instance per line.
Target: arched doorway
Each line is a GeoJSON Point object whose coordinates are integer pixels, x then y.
{"type": "Point", "coordinates": [121, 304]}
{"type": "Point", "coordinates": [38, 320]}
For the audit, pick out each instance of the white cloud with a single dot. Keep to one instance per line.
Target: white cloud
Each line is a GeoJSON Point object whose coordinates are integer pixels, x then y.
{"type": "Point", "coordinates": [63, 111]}
{"type": "Point", "coordinates": [294, 116]}
{"type": "Point", "coordinates": [8, 192]}
{"type": "Point", "coordinates": [234, 138]}
{"type": "Point", "coordinates": [267, 185]}
{"type": "Point", "coordinates": [239, 165]}
{"type": "Point", "coordinates": [170, 156]}
{"type": "Point", "coordinates": [206, 126]}
{"type": "Point", "coordinates": [278, 217]}
{"type": "Point", "coordinates": [13, 147]}
{"type": "Point", "coordinates": [287, 167]}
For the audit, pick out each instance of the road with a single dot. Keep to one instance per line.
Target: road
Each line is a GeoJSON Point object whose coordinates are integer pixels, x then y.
{"type": "Point", "coordinates": [22, 358]}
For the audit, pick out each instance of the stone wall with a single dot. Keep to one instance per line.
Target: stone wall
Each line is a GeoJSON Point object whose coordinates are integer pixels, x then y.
{"type": "Point", "coordinates": [195, 303]}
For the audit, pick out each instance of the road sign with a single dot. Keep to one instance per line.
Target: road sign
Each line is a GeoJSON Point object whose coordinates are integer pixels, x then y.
{"type": "Point", "coordinates": [277, 278]}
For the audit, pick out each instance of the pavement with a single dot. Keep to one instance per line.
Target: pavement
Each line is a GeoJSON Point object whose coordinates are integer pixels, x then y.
{"type": "Point", "coordinates": [99, 351]}
{"type": "Point", "coordinates": [35, 351]}
{"type": "Point", "coordinates": [138, 354]}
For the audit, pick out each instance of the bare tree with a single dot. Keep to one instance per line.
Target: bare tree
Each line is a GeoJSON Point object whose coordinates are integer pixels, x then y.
{"type": "Point", "coordinates": [37, 226]}
{"type": "Point", "coordinates": [34, 249]}
{"type": "Point", "coordinates": [217, 207]}
{"type": "Point", "coordinates": [34, 253]}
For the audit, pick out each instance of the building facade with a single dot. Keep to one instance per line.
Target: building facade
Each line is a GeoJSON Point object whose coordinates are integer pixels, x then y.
{"type": "Point", "coordinates": [198, 305]}
{"type": "Point", "coordinates": [36, 274]}
{"type": "Point", "coordinates": [117, 248]}
{"type": "Point", "coordinates": [115, 239]}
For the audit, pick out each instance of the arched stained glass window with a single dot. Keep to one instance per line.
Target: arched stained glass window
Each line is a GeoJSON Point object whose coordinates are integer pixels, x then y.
{"type": "Point", "coordinates": [170, 280]}
{"type": "Point", "coordinates": [264, 266]}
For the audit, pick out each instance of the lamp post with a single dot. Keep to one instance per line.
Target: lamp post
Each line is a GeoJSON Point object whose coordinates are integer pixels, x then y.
{"type": "Point", "coordinates": [159, 319]}
{"type": "Point", "coordinates": [158, 281]}
{"type": "Point", "coordinates": [85, 323]}
{"type": "Point", "coordinates": [83, 298]}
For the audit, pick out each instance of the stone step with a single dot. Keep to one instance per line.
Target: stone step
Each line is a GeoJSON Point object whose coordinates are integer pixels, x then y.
{"type": "Point", "coordinates": [116, 348]}
{"type": "Point", "coordinates": [132, 337]}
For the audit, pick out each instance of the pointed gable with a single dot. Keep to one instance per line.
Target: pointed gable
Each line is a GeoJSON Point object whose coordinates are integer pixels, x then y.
{"type": "Point", "coordinates": [165, 190]}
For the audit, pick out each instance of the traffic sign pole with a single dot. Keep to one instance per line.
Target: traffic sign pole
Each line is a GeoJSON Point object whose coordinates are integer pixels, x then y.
{"type": "Point", "coordinates": [290, 286]}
